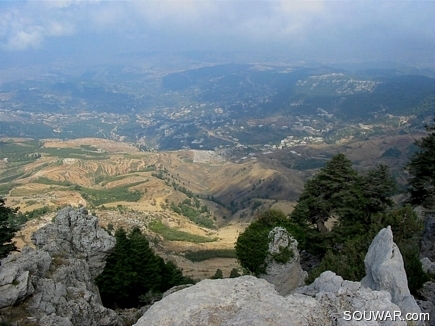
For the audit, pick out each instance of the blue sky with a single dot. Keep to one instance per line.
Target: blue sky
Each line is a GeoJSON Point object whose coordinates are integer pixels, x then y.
{"type": "Point", "coordinates": [326, 31]}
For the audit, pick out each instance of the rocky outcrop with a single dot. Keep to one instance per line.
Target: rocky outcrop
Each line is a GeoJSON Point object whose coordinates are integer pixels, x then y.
{"type": "Point", "coordinates": [251, 301]}
{"type": "Point", "coordinates": [285, 276]}
{"type": "Point", "coordinates": [385, 271]}
{"type": "Point", "coordinates": [329, 300]}
{"type": "Point", "coordinates": [54, 283]}
{"type": "Point", "coordinates": [427, 265]}
{"type": "Point", "coordinates": [427, 293]}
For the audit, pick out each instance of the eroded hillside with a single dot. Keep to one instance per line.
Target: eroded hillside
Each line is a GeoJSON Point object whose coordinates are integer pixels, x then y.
{"type": "Point", "coordinates": [185, 200]}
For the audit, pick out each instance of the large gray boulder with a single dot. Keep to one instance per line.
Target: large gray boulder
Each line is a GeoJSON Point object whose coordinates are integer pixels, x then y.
{"type": "Point", "coordinates": [250, 301]}
{"type": "Point", "coordinates": [54, 283]}
{"type": "Point", "coordinates": [385, 271]}
{"type": "Point", "coordinates": [284, 276]}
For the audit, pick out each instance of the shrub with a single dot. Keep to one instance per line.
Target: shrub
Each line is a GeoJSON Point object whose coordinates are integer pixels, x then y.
{"type": "Point", "coordinates": [234, 273]}
{"type": "Point", "coordinates": [348, 261]}
{"type": "Point", "coordinates": [172, 234]}
{"type": "Point", "coordinates": [252, 245]}
{"type": "Point", "coordinates": [218, 274]}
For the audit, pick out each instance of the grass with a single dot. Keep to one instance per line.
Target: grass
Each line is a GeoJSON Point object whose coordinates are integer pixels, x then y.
{"type": "Point", "coordinates": [172, 234]}
{"type": "Point", "coordinates": [5, 188]}
{"type": "Point", "coordinates": [95, 196]}
{"type": "Point", "coordinates": [193, 214]}
{"type": "Point", "coordinates": [47, 181]}
{"type": "Point", "coordinates": [105, 180]}
{"type": "Point", "coordinates": [102, 196]}
{"type": "Point", "coordinates": [12, 177]}
{"type": "Point", "coordinates": [81, 153]}
{"type": "Point", "coordinates": [201, 255]}
{"type": "Point", "coordinates": [19, 152]}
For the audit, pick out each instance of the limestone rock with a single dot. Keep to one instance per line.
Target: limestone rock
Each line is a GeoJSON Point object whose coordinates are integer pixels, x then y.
{"type": "Point", "coordinates": [247, 300]}
{"type": "Point", "coordinates": [427, 265]}
{"type": "Point", "coordinates": [175, 289]}
{"type": "Point", "coordinates": [428, 307]}
{"type": "Point", "coordinates": [427, 304]}
{"type": "Point", "coordinates": [385, 271]}
{"type": "Point", "coordinates": [55, 281]}
{"type": "Point", "coordinates": [284, 276]}
{"type": "Point", "coordinates": [76, 234]}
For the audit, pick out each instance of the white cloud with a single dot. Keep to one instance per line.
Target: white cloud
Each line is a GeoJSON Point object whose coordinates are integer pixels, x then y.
{"type": "Point", "coordinates": [21, 40]}
{"type": "Point", "coordinates": [311, 26]}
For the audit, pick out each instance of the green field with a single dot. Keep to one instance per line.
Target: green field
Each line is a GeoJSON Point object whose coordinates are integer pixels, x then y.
{"type": "Point", "coordinates": [172, 234]}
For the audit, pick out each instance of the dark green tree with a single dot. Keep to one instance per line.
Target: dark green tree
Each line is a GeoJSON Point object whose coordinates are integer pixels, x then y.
{"type": "Point", "coordinates": [377, 188]}
{"type": "Point", "coordinates": [7, 229]}
{"type": "Point", "coordinates": [171, 275]}
{"type": "Point", "coordinates": [340, 192]}
{"type": "Point", "coordinates": [421, 167]}
{"type": "Point", "coordinates": [115, 281]}
{"type": "Point", "coordinates": [133, 271]}
{"type": "Point", "coordinates": [330, 192]}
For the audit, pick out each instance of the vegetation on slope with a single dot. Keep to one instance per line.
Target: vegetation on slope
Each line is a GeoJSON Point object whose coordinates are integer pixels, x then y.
{"type": "Point", "coordinates": [252, 245]}
{"type": "Point", "coordinates": [7, 229]}
{"type": "Point", "coordinates": [422, 169]}
{"type": "Point", "coordinates": [172, 234]}
{"type": "Point", "coordinates": [134, 275]}
{"type": "Point", "coordinates": [361, 206]}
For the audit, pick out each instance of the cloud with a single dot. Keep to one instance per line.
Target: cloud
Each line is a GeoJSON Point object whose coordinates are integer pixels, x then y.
{"type": "Point", "coordinates": [311, 28]}
{"type": "Point", "coordinates": [21, 40]}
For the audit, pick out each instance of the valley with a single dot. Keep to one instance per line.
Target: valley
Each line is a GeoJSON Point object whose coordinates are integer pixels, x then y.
{"type": "Point", "coordinates": [184, 200]}
{"type": "Point", "coordinates": [192, 155]}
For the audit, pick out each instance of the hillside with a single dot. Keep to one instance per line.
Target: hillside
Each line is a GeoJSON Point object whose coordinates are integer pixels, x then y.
{"type": "Point", "coordinates": [186, 200]}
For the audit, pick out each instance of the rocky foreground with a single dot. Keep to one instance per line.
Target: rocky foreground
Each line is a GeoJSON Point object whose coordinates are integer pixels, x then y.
{"type": "Point", "coordinates": [329, 300]}
{"type": "Point", "coordinates": [54, 285]}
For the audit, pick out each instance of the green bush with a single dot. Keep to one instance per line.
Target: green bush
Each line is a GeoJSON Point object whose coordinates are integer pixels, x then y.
{"type": "Point", "coordinates": [218, 274]}
{"type": "Point", "coordinates": [172, 234]}
{"type": "Point", "coordinates": [348, 261]}
{"type": "Point", "coordinates": [234, 273]}
{"type": "Point", "coordinates": [284, 255]}
{"type": "Point", "coordinates": [252, 245]}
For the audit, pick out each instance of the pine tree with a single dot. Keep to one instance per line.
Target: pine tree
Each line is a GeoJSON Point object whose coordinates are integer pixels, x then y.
{"type": "Point", "coordinates": [7, 230]}
{"type": "Point", "coordinates": [340, 192]}
{"type": "Point", "coordinates": [333, 191]}
{"type": "Point", "coordinates": [114, 282]}
{"type": "Point", "coordinates": [134, 272]}
{"type": "Point", "coordinates": [422, 169]}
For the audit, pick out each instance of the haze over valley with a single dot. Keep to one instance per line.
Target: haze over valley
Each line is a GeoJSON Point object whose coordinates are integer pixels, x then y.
{"type": "Point", "coordinates": [146, 121]}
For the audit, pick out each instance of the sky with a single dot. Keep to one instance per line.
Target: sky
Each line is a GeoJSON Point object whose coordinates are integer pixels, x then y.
{"type": "Point", "coordinates": [326, 31]}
